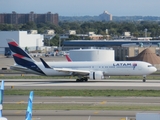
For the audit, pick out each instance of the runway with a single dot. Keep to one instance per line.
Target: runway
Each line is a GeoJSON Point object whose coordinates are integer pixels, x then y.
{"type": "Point", "coordinates": [70, 115]}
{"type": "Point", "coordinates": [72, 84]}
{"type": "Point", "coordinates": [67, 114]}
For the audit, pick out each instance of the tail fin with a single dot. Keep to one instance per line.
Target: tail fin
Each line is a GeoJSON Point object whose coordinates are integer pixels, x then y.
{"type": "Point", "coordinates": [23, 59]}
{"type": "Point", "coordinates": [29, 108]}
{"type": "Point", "coordinates": [20, 56]}
{"type": "Point", "coordinates": [1, 97]}
{"type": "Point", "coordinates": [68, 58]}
{"type": "Point", "coordinates": [1, 101]}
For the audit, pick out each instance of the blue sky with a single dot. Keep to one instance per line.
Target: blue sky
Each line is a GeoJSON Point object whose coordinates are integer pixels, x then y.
{"type": "Point", "coordinates": [83, 7]}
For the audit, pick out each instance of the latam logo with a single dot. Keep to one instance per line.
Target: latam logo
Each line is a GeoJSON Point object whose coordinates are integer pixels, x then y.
{"type": "Point", "coordinates": [122, 64]}
{"type": "Point", "coordinates": [125, 65]}
{"type": "Point", "coordinates": [134, 65]}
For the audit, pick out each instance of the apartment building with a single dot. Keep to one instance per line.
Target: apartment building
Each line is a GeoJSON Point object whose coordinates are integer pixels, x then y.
{"type": "Point", "coordinates": [18, 18]}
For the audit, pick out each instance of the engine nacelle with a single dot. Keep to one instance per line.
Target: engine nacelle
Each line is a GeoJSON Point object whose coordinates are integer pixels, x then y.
{"type": "Point", "coordinates": [96, 75]}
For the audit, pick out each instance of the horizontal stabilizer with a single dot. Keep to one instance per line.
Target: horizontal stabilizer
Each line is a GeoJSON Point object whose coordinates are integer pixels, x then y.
{"type": "Point", "coordinates": [45, 64]}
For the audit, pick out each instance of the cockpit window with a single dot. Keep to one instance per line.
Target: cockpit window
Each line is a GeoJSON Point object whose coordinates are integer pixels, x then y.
{"type": "Point", "coordinates": [150, 65]}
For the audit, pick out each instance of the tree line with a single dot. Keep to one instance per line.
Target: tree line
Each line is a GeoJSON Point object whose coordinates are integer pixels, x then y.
{"type": "Point", "coordinates": [136, 28]}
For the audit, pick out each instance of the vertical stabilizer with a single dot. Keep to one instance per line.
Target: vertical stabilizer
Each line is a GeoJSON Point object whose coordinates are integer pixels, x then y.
{"type": "Point", "coordinates": [68, 58]}
{"type": "Point", "coordinates": [20, 56]}
{"type": "Point", "coordinates": [1, 101]}
{"type": "Point", "coordinates": [1, 97]}
{"type": "Point", "coordinates": [29, 108]}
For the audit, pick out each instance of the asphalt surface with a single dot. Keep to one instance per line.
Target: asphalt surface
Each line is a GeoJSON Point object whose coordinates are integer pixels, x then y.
{"type": "Point", "coordinates": [80, 114]}
{"type": "Point", "coordinates": [70, 115]}
{"type": "Point", "coordinates": [32, 84]}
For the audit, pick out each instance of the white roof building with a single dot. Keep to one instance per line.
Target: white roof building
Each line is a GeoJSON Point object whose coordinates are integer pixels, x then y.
{"type": "Point", "coordinates": [92, 55]}
{"type": "Point", "coordinates": [31, 41]}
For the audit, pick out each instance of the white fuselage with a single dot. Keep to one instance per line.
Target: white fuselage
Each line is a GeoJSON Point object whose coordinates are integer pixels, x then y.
{"type": "Point", "coordinates": [108, 68]}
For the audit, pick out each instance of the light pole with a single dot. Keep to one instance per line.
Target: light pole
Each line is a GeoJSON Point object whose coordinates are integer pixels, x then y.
{"type": "Point", "coordinates": [59, 42]}
{"type": "Point", "coordinates": [49, 40]}
{"type": "Point", "coordinates": [145, 30]}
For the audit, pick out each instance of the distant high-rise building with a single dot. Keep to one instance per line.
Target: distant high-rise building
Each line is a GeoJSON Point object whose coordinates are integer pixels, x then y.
{"type": "Point", "coordinates": [106, 16]}
{"type": "Point", "coordinates": [16, 18]}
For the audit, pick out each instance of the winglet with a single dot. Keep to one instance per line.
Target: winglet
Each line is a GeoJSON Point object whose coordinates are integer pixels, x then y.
{"type": "Point", "coordinates": [68, 58]}
{"type": "Point", "coordinates": [45, 64]}
{"type": "Point", "coordinates": [29, 108]}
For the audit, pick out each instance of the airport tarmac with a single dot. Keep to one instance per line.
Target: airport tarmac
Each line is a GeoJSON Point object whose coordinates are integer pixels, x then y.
{"type": "Point", "coordinates": [105, 101]}
{"type": "Point", "coordinates": [68, 114]}
{"type": "Point", "coordinates": [80, 114]}
{"type": "Point", "coordinates": [72, 84]}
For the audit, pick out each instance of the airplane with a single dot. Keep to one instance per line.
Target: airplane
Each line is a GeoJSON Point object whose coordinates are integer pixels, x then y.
{"type": "Point", "coordinates": [83, 70]}
{"type": "Point", "coordinates": [29, 107]}
{"type": "Point", "coordinates": [1, 101]}
{"type": "Point", "coordinates": [68, 58]}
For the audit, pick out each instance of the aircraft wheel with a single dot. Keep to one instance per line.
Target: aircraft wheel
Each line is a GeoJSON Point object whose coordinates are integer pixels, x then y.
{"type": "Point", "coordinates": [85, 79]}
{"type": "Point", "coordinates": [77, 80]}
{"type": "Point", "coordinates": [81, 80]}
{"type": "Point", "coordinates": [144, 79]}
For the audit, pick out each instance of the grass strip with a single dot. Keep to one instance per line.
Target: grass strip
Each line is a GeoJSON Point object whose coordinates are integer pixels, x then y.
{"type": "Point", "coordinates": [94, 93]}
{"type": "Point", "coordinates": [79, 107]}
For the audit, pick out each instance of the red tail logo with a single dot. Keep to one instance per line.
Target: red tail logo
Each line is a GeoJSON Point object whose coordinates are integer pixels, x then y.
{"type": "Point", "coordinates": [68, 58]}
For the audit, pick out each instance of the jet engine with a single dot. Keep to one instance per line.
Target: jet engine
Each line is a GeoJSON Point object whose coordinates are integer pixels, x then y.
{"type": "Point", "coordinates": [96, 75]}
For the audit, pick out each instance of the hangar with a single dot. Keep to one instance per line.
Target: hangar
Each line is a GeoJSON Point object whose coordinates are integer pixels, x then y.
{"type": "Point", "coordinates": [31, 41]}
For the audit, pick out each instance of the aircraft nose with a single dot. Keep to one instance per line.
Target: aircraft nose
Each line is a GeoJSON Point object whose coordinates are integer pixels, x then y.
{"type": "Point", "coordinates": [154, 69]}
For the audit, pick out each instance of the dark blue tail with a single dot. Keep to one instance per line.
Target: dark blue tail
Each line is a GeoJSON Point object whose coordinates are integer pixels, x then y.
{"type": "Point", "coordinates": [19, 55]}
{"type": "Point", "coordinates": [22, 58]}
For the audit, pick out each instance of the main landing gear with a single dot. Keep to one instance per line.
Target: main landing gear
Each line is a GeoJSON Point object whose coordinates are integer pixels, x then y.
{"type": "Point", "coordinates": [82, 79]}
{"type": "Point", "coordinates": [144, 78]}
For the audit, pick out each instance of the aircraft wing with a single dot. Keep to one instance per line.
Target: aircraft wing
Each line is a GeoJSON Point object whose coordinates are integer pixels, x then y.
{"type": "Point", "coordinates": [68, 70]}
{"type": "Point", "coordinates": [72, 71]}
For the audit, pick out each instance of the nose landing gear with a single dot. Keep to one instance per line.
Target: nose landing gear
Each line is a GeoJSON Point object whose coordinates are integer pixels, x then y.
{"type": "Point", "coordinates": [144, 78]}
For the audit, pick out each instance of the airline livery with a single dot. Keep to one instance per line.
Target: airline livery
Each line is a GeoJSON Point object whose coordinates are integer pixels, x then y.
{"type": "Point", "coordinates": [1, 101]}
{"type": "Point", "coordinates": [83, 70]}
{"type": "Point", "coordinates": [29, 107]}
